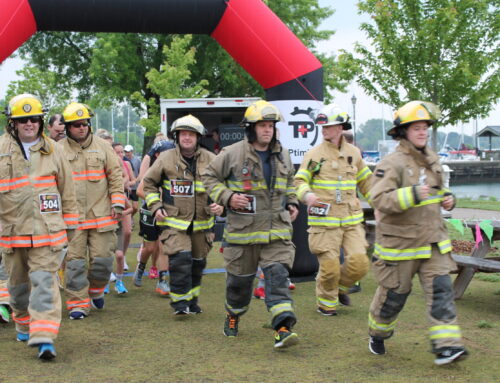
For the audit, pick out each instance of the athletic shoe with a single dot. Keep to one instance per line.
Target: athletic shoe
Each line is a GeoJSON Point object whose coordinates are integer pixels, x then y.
{"type": "Point", "coordinates": [163, 288]}
{"type": "Point", "coordinates": [120, 287]}
{"type": "Point", "coordinates": [344, 299]}
{"type": "Point", "coordinates": [450, 355]}
{"type": "Point", "coordinates": [4, 314]}
{"type": "Point", "coordinates": [195, 309]}
{"type": "Point", "coordinates": [106, 289]}
{"type": "Point", "coordinates": [76, 315]}
{"type": "Point", "coordinates": [125, 265]}
{"type": "Point", "coordinates": [376, 345]}
{"type": "Point", "coordinates": [138, 276]}
{"type": "Point", "coordinates": [97, 303]}
{"type": "Point", "coordinates": [328, 313]}
{"type": "Point", "coordinates": [46, 351]}
{"type": "Point", "coordinates": [153, 272]}
{"type": "Point", "coordinates": [356, 288]}
{"type": "Point", "coordinates": [259, 293]}
{"type": "Point", "coordinates": [291, 285]}
{"type": "Point", "coordinates": [112, 277]}
{"type": "Point", "coordinates": [285, 338]}
{"type": "Point", "coordinates": [182, 311]}
{"type": "Point", "coordinates": [22, 337]}
{"type": "Point", "coordinates": [231, 325]}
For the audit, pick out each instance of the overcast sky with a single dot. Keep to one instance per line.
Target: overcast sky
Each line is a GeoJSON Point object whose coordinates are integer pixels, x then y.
{"type": "Point", "coordinates": [345, 21]}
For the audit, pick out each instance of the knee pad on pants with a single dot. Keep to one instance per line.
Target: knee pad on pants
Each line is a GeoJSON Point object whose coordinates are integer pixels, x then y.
{"type": "Point", "coordinates": [275, 276]}
{"type": "Point", "coordinates": [19, 296]}
{"type": "Point", "coordinates": [443, 306]}
{"type": "Point", "coordinates": [393, 304]}
{"type": "Point", "coordinates": [76, 274]}
{"type": "Point", "coordinates": [238, 293]}
{"type": "Point", "coordinates": [180, 271]}
{"type": "Point", "coordinates": [42, 294]}
{"type": "Point", "coordinates": [101, 268]}
{"type": "Point", "coordinates": [197, 271]}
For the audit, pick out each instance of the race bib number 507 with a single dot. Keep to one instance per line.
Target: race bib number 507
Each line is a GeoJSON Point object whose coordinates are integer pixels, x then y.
{"type": "Point", "coordinates": [181, 188]}
{"type": "Point", "coordinates": [50, 203]}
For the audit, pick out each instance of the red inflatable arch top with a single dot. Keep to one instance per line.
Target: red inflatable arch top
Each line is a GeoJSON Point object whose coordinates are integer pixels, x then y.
{"type": "Point", "coordinates": [249, 31]}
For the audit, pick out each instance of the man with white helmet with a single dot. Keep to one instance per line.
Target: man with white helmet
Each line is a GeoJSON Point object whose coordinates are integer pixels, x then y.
{"type": "Point", "coordinates": [185, 210]}
{"type": "Point", "coordinates": [97, 174]}
{"type": "Point", "coordinates": [411, 237]}
{"type": "Point", "coordinates": [253, 178]}
{"type": "Point", "coordinates": [327, 181]}
{"type": "Point", "coordinates": [37, 210]}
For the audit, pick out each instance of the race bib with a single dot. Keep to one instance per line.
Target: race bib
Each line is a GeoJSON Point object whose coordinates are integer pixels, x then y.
{"type": "Point", "coordinates": [319, 209]}
{"type": "Point", "coordinates": [251, 207]}
{"type": "Point", "coordinates": [50, 203]}
{"type": "Point", "coordinates": [147, 217]}
{"type": "Point", "coordinates": [181, 188]}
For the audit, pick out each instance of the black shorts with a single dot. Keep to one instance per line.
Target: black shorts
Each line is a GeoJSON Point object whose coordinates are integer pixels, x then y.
{"type": "Point", "coordinates": [147, 227]}
{"type": "Point", "coordinates": [132, 195]}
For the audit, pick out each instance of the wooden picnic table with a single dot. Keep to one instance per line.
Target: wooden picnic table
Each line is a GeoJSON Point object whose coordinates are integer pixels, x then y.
{"type": "Point", "coordinates": [477, 261]}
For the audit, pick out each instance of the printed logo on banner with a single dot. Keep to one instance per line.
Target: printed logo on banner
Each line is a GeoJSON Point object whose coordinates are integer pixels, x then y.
{"type": "Point", "coordinates": [305, 128]}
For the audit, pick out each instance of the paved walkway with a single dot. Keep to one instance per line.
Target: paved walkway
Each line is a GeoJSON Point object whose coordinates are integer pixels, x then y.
{"type": "Point", "coordinates": [462, 213]}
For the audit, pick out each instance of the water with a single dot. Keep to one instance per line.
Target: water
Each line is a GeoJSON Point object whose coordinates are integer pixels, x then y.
{"type": "Point", "coordinates": [477, 190]}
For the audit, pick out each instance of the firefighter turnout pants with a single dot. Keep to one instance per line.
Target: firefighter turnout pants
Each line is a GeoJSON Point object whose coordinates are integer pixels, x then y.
{"type": "Point", "coordinates": [89, 263]}
{"type": "Point", "coordinates": [332, 276]}
{"type": "Point", "coordinates": [4, 291]}
{"type": "Point", "coordinates": [395, 283]}
{"type": "Point", "coordinates": [187, 259]}
{"type": "Point", "coordinates": [275, 259]}
{"type": "Point", "coordinates": [34, 292]}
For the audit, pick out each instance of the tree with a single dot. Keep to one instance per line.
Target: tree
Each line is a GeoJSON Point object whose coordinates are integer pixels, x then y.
{"type": "Point", "coordinates": [369, 133]}
{"type": "Point", "coordinates": [443, 51]}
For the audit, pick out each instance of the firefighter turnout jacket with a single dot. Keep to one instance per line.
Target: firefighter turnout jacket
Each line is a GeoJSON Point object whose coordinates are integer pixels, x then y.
{"type": "Point", "coordinates": [334, 174]}
{"type": "Point", "coordinates": [407, 227]}
{"type": "Point", "coordinates": [37, 197]}
{"type": "Point", "coordinates": [97, 174]}
{"type": "Point", "coordinates": [180, 186]}
{"type": "Point", "coordinates": [238, 169]}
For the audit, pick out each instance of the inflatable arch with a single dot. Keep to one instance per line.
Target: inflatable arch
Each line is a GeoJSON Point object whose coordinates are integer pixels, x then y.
{"type": "Point", "coordinates": [247, 29]}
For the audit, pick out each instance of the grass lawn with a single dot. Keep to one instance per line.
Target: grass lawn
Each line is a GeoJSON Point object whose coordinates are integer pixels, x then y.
{"type": "Point", "coordinates": [137, 339]}
{"type": "Point", "coordinates": [478, 204]}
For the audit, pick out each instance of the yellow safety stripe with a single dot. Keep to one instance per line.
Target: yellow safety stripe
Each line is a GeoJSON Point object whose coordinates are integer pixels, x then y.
{"type": "Point", "coordinates": [402, 255]}
{"type": "Point", "coordinates": [257, 236]}
{"type": "Point", "coordinates": [363, 174]}
{"type": "Point", "coordinates": [237, 186]}
{"type": "Point", "coordinates": [405, 198]}
{"type": "Point", "coordinates": [280, 308]}
{"type": "Point", "coordinates": [327, 303]}
{"type": "Point", "coordinates": [152, 198]}
{"type": "Point", "coordinates": [335, 221]}
{"type": "Point", "coordinates": [304, 174]}
{"type": "Point", "coordinates": [180, 297]}
{"type": "Point", "coordinates": [445, 246]}
{"type": "Point", "coordinates": [195, 291]}
{"type": "Point", "coordinates": [334, 185]}
{"type": "Point", "coordinates": [385, 327]}
{"type": "Point", "coordinates": [301, 190]}
{"type": "Point", "coordinates": [216, 191]}
{"type": "Point", "coordinates": [181, 224]}
{"type": "Point", "coordinates": [198, 186]}
{"type": "Point", "coordinates": [445, 331]}
{"type": "Point", "coordinates": [236, 311]}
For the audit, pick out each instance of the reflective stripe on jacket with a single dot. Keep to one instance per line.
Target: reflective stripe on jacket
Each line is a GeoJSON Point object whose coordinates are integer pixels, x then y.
{"type": "Point", "coordinates": [407, 227]}
{"type": "Point", "coordinates": [334, 174]}
{"type": "Point", "coordinates": [97, 174]}
{"type": "Point", "coordinates": [37, 196]}
{"type": "Point", "coordinates": [238, 169]}
{"type": "Point", "coordinates": [182, 210]}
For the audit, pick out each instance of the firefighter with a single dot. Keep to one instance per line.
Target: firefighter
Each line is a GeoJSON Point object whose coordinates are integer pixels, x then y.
{"type": "Point", "coordinates": [411, 236]}
{"type": "Point", "coordinates": [253, 178]}
{"type": "Point", "coordinates": [327, 181]}
{"type": "Point", "coordinates": [185, 211]}
{"type": "Point", "coordinates": [37, 207]}
{"type": "Point", "coordinates": [99, 190]}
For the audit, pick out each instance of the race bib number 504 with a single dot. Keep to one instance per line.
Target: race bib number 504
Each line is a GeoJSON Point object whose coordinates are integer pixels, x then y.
{"type": "Point", "coordinates": [181, 188]}
{"type": "Point", "coordinates": [50, 203]}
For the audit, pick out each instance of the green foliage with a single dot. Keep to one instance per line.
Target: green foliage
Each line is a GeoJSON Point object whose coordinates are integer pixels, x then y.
{"type": "Point", "coordinates": [369, 133]}
{"type": "Point", "coordinates": [485, 324]}
{"type": "Point", "coordinates": [478, 204]}
{"type": "Point", "coordinates": [493, 277]}
{"type": "Point", "coordinates": [444, 51]}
